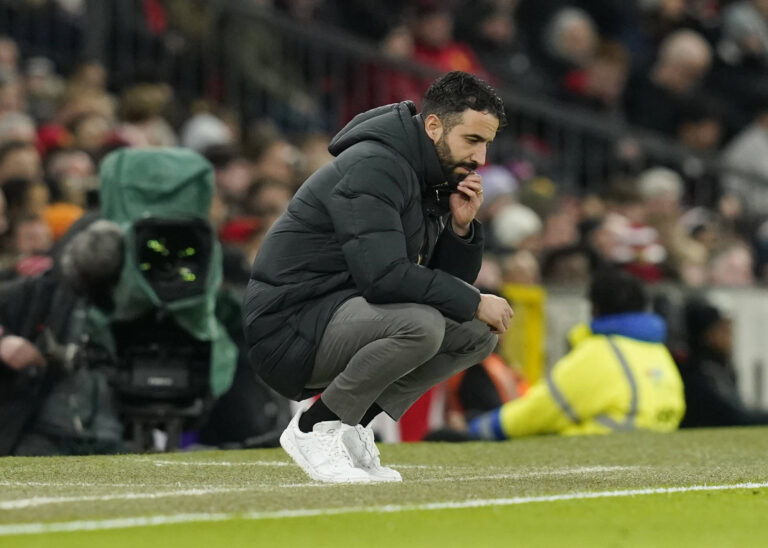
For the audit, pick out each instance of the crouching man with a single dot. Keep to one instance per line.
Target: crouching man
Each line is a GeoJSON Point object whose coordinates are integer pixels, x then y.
{"type": "Point", "coordinates": [361, 290]}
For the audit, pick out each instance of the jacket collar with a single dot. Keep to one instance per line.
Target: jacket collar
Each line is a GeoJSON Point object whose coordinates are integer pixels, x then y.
{"type": "Point", "coordinates": [634, 325]}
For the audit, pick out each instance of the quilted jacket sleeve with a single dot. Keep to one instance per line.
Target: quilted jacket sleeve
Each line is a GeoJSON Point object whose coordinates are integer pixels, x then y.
{"type": "Point", "coordinates": [457, 256]}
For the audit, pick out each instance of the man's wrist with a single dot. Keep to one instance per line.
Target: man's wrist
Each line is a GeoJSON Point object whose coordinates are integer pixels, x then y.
{"type": "Point", "coordinates": [461, 231]}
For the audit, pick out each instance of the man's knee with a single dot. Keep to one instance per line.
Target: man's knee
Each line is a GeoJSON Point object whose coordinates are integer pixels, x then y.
{"type": "Point", "coordinates": [479, 339]}
{"type": "Point", "coordinates": [426, 325]}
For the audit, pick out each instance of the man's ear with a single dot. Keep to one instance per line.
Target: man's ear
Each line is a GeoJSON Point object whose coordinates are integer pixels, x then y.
{"type": "Point", "coordinates": [434, 127]}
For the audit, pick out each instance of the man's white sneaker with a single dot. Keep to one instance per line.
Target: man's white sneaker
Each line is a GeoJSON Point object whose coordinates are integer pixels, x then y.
{"type": "Point", "coordinates": [361, 446]}
{"type": "Point", "coordinates": [321, 454]}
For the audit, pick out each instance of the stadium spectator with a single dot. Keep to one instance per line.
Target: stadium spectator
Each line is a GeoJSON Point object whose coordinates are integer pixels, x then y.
{"type": "Point", "coordinates": [600, 84]}
{"type": "Point", "coordinates": [11, 92]}
{"type": "Point", "coordinates": [268, 199]}
{"type": "Point", "coordinates": [205, 130]}
{"type": "Point", "coordinates": [44, 88]}
{"type": "Point", "coordinates": [636, 245]}
{"type": "Point", "coordinates": [395, 316]}
{"type": "Point", "coordinates": [435, 45]}
{"type": "Point", "coordinates": [520, 267]}
{"type": "Point", "coordinates": [744, 38]}
{"type": "Point", "coordinates": [16, 126]}
{"type": "Point", "coordinates": [618, 375]}
{"type": "Point", "coordinates": [90, 132]}
{"type": "Point", "coordinates": [142, 109]}
{"type": "Point", "coordinates": [661, 190]}
{"type": "Point", "coordinates": [711, 395]}
{"type": "Point", "coordinates": [232, 175]}
{"type": "Point", "coordinates": [19, 159]}
{"type": "Point", "coordinates": [9, 55]}
{"type": "Point", "coordinates": [568, 42]}
{"type": "Point", "coordinates": [732, 266]}
{"type": "Point", "coordinates": [654, 99]}
{"type": "Point", "coordinates": [276, 158]}
{"type": "Point", "coordinates": [701, 125]}
{"type": "Point", "coordinates": [25, 197]}
{"type": "Point", "coordinates": [746, 158]}
{"type": "Point", "coordinates": [489, 29]}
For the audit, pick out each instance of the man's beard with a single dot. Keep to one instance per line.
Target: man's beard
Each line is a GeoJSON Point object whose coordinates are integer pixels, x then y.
{"type": "Point", "coordinates": [449, 166]}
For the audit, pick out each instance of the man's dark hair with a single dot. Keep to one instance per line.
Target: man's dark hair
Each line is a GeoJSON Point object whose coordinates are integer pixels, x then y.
{"type": "Point", "coordinates": [453, 93]}
{"type": "Point", "coordinates": [613, 291]}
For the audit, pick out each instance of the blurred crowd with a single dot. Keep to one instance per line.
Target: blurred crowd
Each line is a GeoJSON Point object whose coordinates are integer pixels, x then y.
{"type": "Point", "coordinates": [690, 71]}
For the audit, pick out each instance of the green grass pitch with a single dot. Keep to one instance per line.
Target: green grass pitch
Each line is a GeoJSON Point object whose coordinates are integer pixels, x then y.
{"type": "Point", "coordinates": [690, 488]}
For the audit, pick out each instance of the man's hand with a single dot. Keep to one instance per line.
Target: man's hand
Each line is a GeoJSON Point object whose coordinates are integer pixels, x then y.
{"type": "Point", "coordinates": [465, 203]}
{"type": "Point", "coordinates": [495, 311]}
{"type": "Point", "coordinates": [18, 353]}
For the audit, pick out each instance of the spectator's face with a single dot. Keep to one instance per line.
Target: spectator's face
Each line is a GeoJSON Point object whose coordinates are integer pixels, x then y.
{"type": "Point", "coordinates": [462, 149]}
{"type": "Point", "coordinates": [489, 277]}
{"type": "Point", "coordinates": [703, 135]}
{"type": "Point", "coordinates": [12, 97]}
{"type": "Point", "coordinates": [92, 133]}
{"type": "Point", "coordinates": [672, 10]}
{"type": "Point", "coordinates": [398, 43]}
{"type": "Point", "coordinates": [280, 162]}
{"type": "Point", "coordinates": [33, 237]}
{"type": "Point", "coordinates": [579, 42]}
{"type": "Point", "coordinates": [733, 268]}
{"type": "Point", "coordinates": [23, 163]}
{"type": "Point", "coordinates": [71, 164]}
{"type": "Point", "coordinates": [719, 337]}
{"type": "Point", "coordinates": [9, 55]}
{"type": "Point", "coordinates": [273, 200]}
{"type": "Point", "coordinates": [606, 81]}
{"type": "Point", "coordinates": [559, 230]}
{"type": "Point", "coordinates": [233, 180]}
{"type": "Point", "coordinates": [687, 72]}
{"type": "Point", "coordinates": [435, 30]}
{"type": "Point", "coordinates": [92, 75]}
{"type": "Point", "coordinates": [521, 268]}
{"type": "Point", "coordinates": [498, 29]}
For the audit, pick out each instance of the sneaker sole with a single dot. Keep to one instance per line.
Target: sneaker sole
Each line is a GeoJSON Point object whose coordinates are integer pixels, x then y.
{"type": "Point", "coordinates": [287, 444]}
{"type": "Point", "coordinates": [384, 479]}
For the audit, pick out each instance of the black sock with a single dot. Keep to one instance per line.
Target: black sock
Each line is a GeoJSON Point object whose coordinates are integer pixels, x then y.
{"type": "Point", "coordinates": [371, 414]}
{"type": "Point", "coordinates": [319, 412]}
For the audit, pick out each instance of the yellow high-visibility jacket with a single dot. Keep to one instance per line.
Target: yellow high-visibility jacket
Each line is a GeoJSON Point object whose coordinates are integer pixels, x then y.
{"type": "Point", "coordinates": [618, 376]}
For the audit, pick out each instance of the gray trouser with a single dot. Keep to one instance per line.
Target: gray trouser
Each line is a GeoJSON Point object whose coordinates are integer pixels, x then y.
{"type": "Point", "coordinates": [391, 354]}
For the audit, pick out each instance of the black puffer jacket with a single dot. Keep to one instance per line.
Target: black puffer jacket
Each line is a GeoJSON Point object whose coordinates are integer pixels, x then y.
{"type": "Point", "coordinates": [365, 224]}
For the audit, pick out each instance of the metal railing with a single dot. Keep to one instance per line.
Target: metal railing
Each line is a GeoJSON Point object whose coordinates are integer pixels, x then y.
{"type": "Point", "coordinates": [264, 64]}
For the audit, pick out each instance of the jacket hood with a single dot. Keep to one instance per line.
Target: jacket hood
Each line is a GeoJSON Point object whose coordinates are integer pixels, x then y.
{"type": "Point", "coordinates": [641, 326]}
{"type": "Point", "coordinates": [399, 127]}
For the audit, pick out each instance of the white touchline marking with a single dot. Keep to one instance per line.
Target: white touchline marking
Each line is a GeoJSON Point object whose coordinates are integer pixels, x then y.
{"type": "Point", "coordinates": [223, 463]}
{"type": "Point", "coordinates": [204, 490]}
{"type": "Point", "coordinates": [148, 521]}
{"type": "Point", "coordinates": [257, 463]}
{"type": "Point", "coordinates": [394, 465]}
{"type": "Point", "coordinates": [21, 483]}
{"type": "Point", "coordinates": [523, 475]}
{"type": "Point", "coordinates": [40, 501]}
